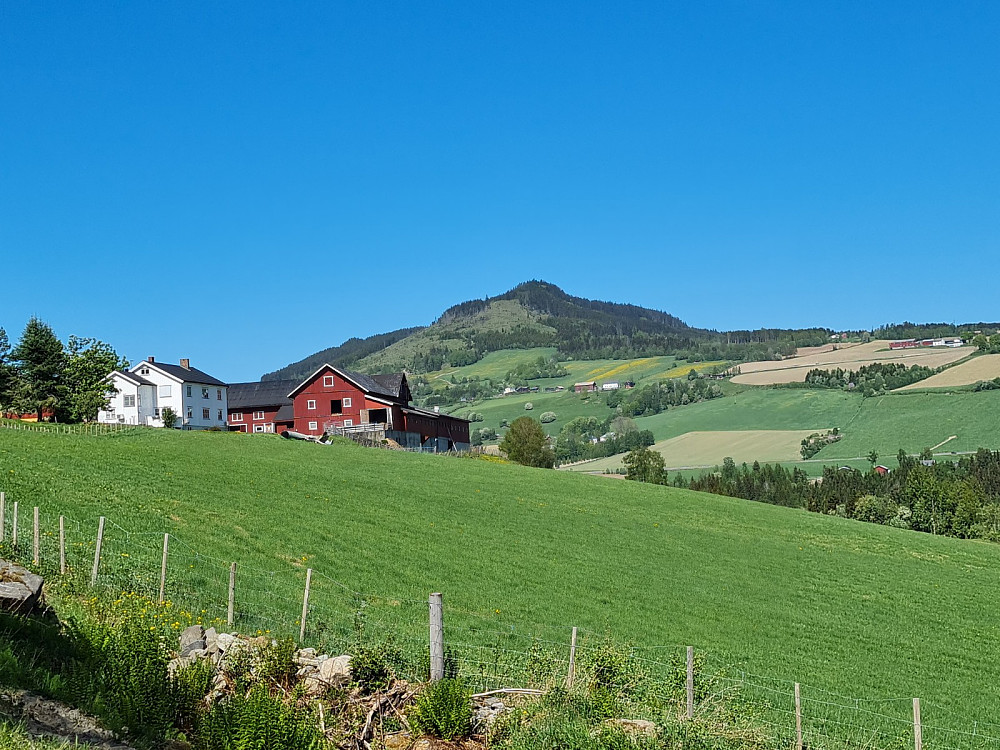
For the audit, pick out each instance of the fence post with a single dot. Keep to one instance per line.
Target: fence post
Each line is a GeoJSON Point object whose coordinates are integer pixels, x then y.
{"type": "Point", "coordinates": [13, 528]}
{"type": "Point", "coordinates": [34, 539]}
{"type": "Point", "coordinates": [97, 552]}
{"type": "Point", "coordinates": [690, 682]}
{"type": "Point", "coordinates": [163, 568]}
{"type": "Point", "coordinates": [437, 638]}
{"type": "Point", "coordinates": [798, 718]}
{"type": "Point", "coordinates": [305, 606]}
{"type": "Point", "coordinates": [3, 513]}
{"type": "Point", "coordinates": [918, 735]}
{"type": "Point", "coordinates": [232, 595]}
{"type": "Point", "coordinates": [62, 545]}
{"type": "Point", "coordinates": [572, 660]}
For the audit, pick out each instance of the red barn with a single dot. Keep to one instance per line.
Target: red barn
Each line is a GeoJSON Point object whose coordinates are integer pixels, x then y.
{"type": "Point", "coordinates": [261, 407]}
{"type": "Point", "coordinates": [337, 401]}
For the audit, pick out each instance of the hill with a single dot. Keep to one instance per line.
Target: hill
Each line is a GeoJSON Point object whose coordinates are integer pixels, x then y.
{"type": "Point", "coordinates": [539, 314]}
{"type": "Point", "coordinates": [855, 609]}
{"type": "Point", "coordinates": [346, 355]}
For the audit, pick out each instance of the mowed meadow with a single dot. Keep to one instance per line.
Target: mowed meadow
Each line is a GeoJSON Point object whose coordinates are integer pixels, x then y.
{"type": "Point", "coordinates": [858, 609]}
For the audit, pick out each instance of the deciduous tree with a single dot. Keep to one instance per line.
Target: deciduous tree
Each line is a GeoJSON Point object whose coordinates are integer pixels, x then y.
{"type": "Point", "coordinates": [526, 443]}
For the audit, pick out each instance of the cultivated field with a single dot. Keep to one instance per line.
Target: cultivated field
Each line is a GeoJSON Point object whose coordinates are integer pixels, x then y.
{"type": "Point", "coordinates": [794, 370]}
{"type": "Point", "coordinates": [710, 448]}
{"type": "Point", "coordinates": [857, 609]}
{"type": "Point", "coordinates": [986, 367]}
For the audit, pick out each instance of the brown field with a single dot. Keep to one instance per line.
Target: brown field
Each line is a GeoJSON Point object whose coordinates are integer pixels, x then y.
{"type": "Point", "coordinates": [794, 369]}
{"type": "Point", "coordinates": [986, 367]}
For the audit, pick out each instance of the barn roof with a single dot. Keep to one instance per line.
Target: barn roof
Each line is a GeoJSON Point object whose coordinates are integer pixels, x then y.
{"type": "Point", "coordinates": [285, 414]}
{"type": "Point", "coordinates": [266, 393]}
{"type": "Point", "coordinates": [389, 385]}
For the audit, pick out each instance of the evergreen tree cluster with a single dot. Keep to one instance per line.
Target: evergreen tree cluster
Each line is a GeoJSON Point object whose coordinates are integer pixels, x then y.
{"type": "Point", "coordinates": [41, 376]}
{"type": "Point", "coordinates": [871, 380]}
{"type": "Point", "coordinates": [958, 498]}
{"type": "Point", "coordinates": [581, 438]}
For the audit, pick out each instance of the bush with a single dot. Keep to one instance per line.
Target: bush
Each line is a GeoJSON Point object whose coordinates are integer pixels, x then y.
{"type": "Point", "coordinates": [169, 417]}
{"type": "Point", "coordinates": [529, 406]}
{"type": "Point", "coordinates": [549, 416]}
{"type": "Point", "coordinates": [443, 710]}
{"type": "Point", "coordinates": [374, 666]}
{"type": "Point", "coordinates": [256, 720]}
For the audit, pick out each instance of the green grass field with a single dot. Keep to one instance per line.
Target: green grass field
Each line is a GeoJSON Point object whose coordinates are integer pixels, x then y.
{"type": "Point", "coordinates": [861, 610]}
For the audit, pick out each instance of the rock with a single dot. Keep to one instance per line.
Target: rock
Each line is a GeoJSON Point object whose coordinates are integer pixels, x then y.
{"type": "Point", "coordinates": [47, 718]}
{"type": "Point", "coordinates": [398, 741]}
{"type": "Point", "coordinates": [225, 641]}
{"type": "Point", "coordinates": [20, 589]}
{"type": "Point", "coordinates": [486, 712]}
{"type": "Point", "coordinates": [211, 641]}
{"type": "Point", "coordinates": [192, 639]}
{"type": "Point", "coordinates": [336, 672]}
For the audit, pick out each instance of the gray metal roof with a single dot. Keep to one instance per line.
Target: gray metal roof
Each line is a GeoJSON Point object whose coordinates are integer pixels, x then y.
{"type": "Point", "coordinates": [285, 413]}
{"type": "Point", "coordinates": [188, 375]}
{"type": "Point", "coordinates": [267, 393]}
{"type": "Point", "coordinates": [132, 376]}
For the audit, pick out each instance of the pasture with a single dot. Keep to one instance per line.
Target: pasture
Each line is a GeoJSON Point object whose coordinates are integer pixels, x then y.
{"type": "Point", "coordinates": [986, 367]}
{"type": "Point", "coordinates": [795, 369]}
{"type": "Point", "coordinates": [702, 449]}
{"type": "Point", "coordinates": [859, 610]}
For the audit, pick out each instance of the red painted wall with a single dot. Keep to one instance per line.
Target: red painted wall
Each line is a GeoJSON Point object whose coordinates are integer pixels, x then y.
{"type": "Point", "coordinates": [246, 425]}
{"type": "Point", "coordinates": [322, 395]}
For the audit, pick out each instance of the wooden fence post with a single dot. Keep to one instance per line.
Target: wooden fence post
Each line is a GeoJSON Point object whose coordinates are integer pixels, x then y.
{"type": "Point", "coordinates": [13, 528]}
{"type": "Point", "coordinates": [305, 606]}
{"type": "Point", "coordinates": [232, 595]}
{"type": "Point", "coordinates": [62, 545]}
{"type": "Point", "coordinates": [34, 538]}
{"type": "Point", "coordinates": [690, 682]}
{"type": "Point", "coordinates": [918, 734]}
{"type": "Point", "coordinates": [3, 513]}
{"type": "Point", "coordinates": [163, 568]}
{"type": "Point", "coordinates": [572, 660]}
{"type": "Point", "coordinates": [97, 552]}
{"type": "Point", "coordinates": [798, 718]}
{"type": "Point", "coordinates": [437, 638]}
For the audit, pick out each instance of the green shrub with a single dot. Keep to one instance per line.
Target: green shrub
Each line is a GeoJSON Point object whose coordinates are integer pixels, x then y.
{"type": "Point", "coordinates": [443, 709]}
{"type": "Point", "coordinates": [549, 416]}
{"type": "Point", "coordinates": [256, 721]}
{"type": "Point", "coordinates": [374, 666]}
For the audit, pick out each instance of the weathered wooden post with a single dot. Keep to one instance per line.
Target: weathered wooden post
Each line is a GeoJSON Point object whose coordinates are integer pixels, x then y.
{"type": "Point", "coordinates": [3, 513]}
{"type": "Point", "coordinates": [437, 637]}
{"type": "Point", "coordinates": [918, 733]}
{"type": "Point", "coordinates": [305, 606]}
{"type": "Point", "coordinates": [572, 660]}
{"type": "Point", "coordinates": [13, 527]}
{"type": "Point", "coordinates": [163, 568]}
{"type": "Point", "coordinates": [798, 718]}
{"type": "Point", "coordinates": [62, 545]}
{"type": "Point", "coordinates": [97, 552]}
{"type": "Point", "coordinates": [232, 595]}
{"type": "Point", "coordinates": [690, 682]}
{"type": "Point", "coordinates": [35, 541]}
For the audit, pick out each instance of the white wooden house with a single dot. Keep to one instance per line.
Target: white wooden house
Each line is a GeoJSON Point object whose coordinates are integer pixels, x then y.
{"type": "Point", "coordinates": [145, 390]}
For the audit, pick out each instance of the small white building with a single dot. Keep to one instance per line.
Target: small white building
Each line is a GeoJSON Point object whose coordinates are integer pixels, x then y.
{"type": "Point", "coordinates": [609, 386]}
{"type": "Point", "coordinates": [147, 388]}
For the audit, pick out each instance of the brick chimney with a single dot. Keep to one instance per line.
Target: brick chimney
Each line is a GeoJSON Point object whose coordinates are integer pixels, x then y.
{"type": "Point", "coordinates": [151, 359]}
{"type": "Point", "coordinates": [186, 364]}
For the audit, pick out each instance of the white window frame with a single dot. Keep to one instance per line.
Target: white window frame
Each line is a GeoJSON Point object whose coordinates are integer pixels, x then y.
{"type": "Point", "coordinates": [204, 415]}
{"type": "Point", "coordinates": [189, 391]}
{"type": "Point", "coordinates": [258, 428]}
{"type": "Point", "coordinates": [190, 415]}
{"type": "Point", "coordinates": [258, 415]}
{"type": "Point", "coordinates": [218, 394]}
{"type": "Point", "coordinates": [345, 403]}
{"type": "Point", "coordinates": [237, 416]}
{"type": "Point", "coordinates": [313, 425]}
{"type": "Point", "coordinates": [126, 403]}
{"type": "Point", "coordinates": [348, 423]}
{"type": "Point", "coordinates": [219, 412]}
{"type": "Point", "coordinates": [205, 393]}
{"type": "Point", "coordinates": [164, 391]}
{"type": "Point", "coordinates": [311, 404]}
{"type": "Point", "coordinates": [328, 381]}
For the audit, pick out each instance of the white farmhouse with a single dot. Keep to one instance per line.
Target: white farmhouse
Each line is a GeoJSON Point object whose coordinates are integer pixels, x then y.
{"type": "Point", "coordinates": [143, 392]}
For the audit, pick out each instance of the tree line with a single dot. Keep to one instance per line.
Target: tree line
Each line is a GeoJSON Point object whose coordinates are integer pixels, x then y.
{"type": "Point", "coordinates": [44, 377]}
{"type": "Point", "coordinates": [870, 380]}
{"type": "Point", "coordinates": [657, 397]}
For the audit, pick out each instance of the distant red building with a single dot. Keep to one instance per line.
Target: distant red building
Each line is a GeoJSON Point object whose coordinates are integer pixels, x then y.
{"type": "Point", "coordinates": [261, 407]}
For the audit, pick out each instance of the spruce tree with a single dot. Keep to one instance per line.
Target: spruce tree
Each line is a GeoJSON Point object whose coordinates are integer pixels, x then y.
{"type": "Point", "coordinates": [40, 360]}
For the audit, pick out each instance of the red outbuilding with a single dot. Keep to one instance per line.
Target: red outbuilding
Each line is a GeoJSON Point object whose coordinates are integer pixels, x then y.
{"type": "Point", "coordinates": [261, 407]}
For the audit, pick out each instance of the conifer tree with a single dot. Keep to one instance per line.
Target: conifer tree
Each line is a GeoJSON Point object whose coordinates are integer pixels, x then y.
{"type": "Point", "coordinates": [41, 361]}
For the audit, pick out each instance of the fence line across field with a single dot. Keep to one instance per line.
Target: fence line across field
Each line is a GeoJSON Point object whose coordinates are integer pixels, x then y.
{"type": "Point", "coordinates": [810, 712]}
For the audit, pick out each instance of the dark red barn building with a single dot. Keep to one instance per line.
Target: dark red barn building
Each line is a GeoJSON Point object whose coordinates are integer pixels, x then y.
{"type": "Point", "coordinates": [261, 407]}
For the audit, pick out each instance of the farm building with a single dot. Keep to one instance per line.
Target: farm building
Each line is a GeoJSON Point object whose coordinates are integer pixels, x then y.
{"type": "Point", "coordinates": [883, 470]}
{"type": "Point", "coordinates": [337, 401]}
{"type": "Point", "coordinates": [610, 386]}
{"type": "Point", "coordinates": [261, 407]}
{"type": "Point", "coordinates": [904, 344]}
{"type": "Point", "coordinates": [144, 391]}
{"type": "Point", "coordinates": [584, 387]}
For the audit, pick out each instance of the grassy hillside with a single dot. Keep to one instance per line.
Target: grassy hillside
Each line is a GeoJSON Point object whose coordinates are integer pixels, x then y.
{"type": "Point", "coordinates": [859, 609]}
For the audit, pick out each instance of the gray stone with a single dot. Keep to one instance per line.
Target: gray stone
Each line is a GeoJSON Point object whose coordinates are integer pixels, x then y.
{"type": "Point", "coordinates": [225, 641]}
{"type": "Point", "coordinates": [192, 639]}
{"type": "Point", "coordinates": [20, 589]}
{"type": "Point", "coordinates": [47, 718]}
{"type": "Point", "coordinates": [211, 641]}
{"type": "Point", "coordinates": [336, 672]}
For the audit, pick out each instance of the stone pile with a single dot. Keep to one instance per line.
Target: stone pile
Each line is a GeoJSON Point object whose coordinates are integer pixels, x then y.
{"type": "Point", "coordinates": [20, 589]}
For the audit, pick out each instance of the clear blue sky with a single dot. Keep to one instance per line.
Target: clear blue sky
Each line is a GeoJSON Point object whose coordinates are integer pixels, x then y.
{"type": "Point", "coordinates": [245, 183]}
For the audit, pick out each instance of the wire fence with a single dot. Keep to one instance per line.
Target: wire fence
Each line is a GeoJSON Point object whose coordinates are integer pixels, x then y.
{"type": "Point", "coordinates": [56, 428]}
{"type": "Point", "coordinates": [488, 647]}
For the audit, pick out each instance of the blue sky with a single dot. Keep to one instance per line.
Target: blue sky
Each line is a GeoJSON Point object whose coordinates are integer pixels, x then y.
{"type": "Point", "coordinates": [246, 183]}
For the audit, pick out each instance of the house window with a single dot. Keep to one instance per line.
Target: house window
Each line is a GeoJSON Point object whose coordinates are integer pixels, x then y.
{"type": "Point", "coordinates": [190, 413]}
{"type": "Point", "coordinates": [220, 415]}
{"type": "Point", "coordinates": [156, 412]}
{"type": "Point", "coordinates": [312, 425]}
{"type": "Point", "coordinates": [189, 391]}
{"type": "Point", "coordinates": [328, 381]}
{"type": "Point", "coordinates": [218, 394]}
{"type": "Point", "coordinates": [311, 404]}
{"type": "Point", "coordinates": [336, 407]}
{"type": "Point", "coordinates": [144, 371]}
{"type": "Point", "coordinates": [347, 403]}
{"type": "Point", "coordinates": [348, 423]}
{"type": "Point", "coordinates": [237, 417]}
{"type": "Point", "coordinates": [204, 392]}
{"type": "Point", "coordinates": [128, 401]}
{"type": "Point", "coordinates": [258, 415]}
{"type": "Point", "coordinates": [164, 391]}
{"type": "Point", "coordinates": [258, 428]}
{"type": "Point", "coordinates": [206, 414]}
